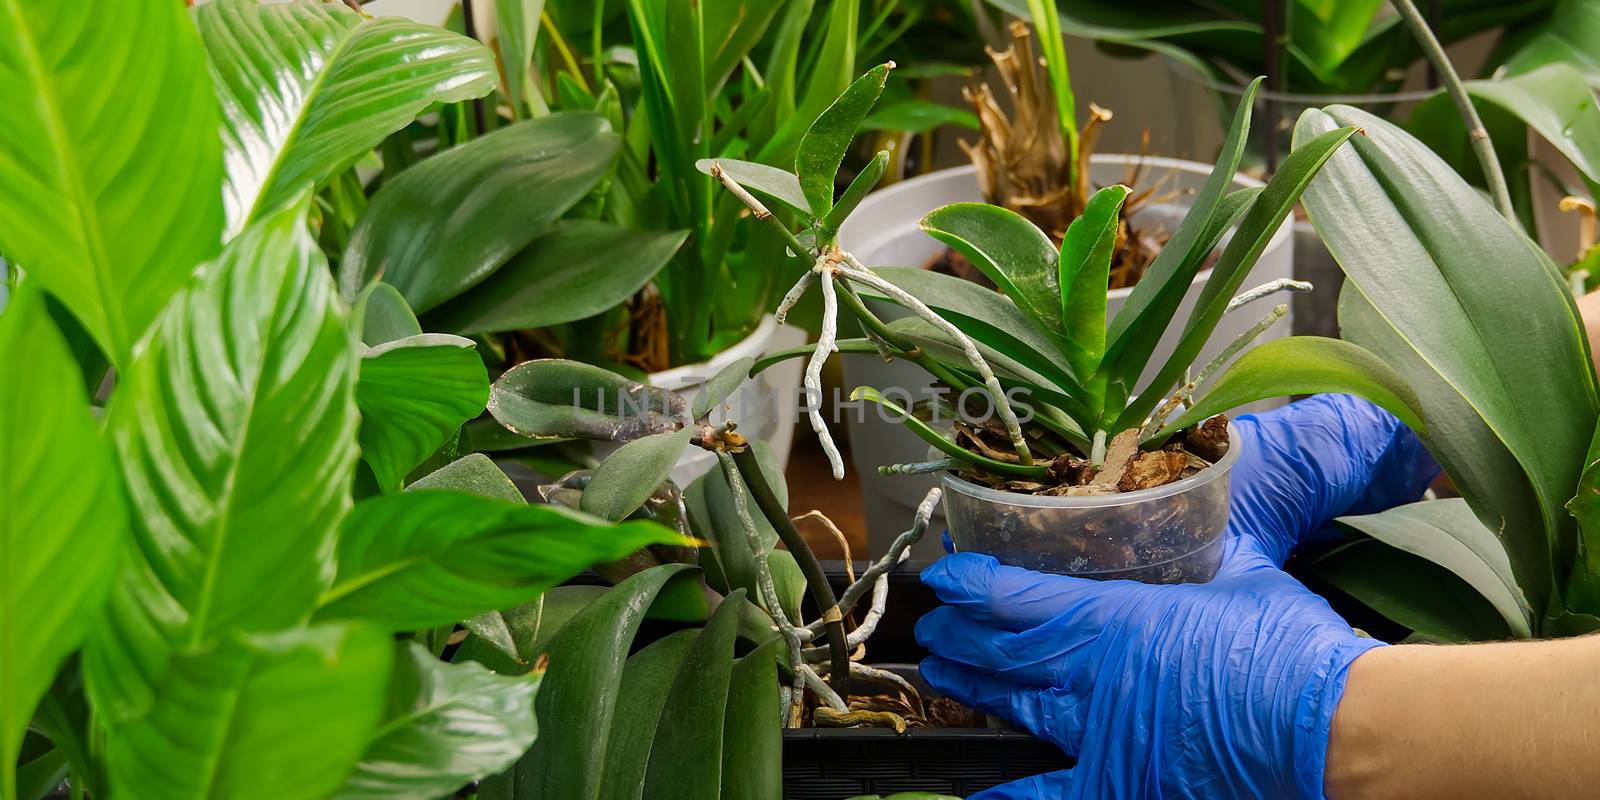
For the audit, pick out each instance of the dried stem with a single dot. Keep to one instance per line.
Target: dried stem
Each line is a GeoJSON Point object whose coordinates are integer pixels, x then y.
{"type": "Point", "coordinates": [761, 212]}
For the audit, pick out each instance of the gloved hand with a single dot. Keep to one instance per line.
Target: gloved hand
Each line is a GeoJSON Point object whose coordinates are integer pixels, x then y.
{"type": "Point", "coordinates": [1217, 690]}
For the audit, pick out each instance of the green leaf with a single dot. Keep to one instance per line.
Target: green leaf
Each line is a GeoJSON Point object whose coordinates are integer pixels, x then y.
{"type": "Point", "coordinates": [1306, 365]}
{"type": "Point", "coordinates": [1139, 325]}
{"type": "Point", "coordinates": [691, 766]}
{"type": "Point", "coordinates": [646, 678]}
{"type": "Point", "coordinates": [1567, 37]}
{"type": "Point", "coordinates": [418, 559]}
{"type": "Point", "coordinates": [236, 431]}
{"type": "Point", "coordinates": [511, 632]}
{"type": "Point", "coordinates": [1447, 533]}
{"type": "Point", "coordinates": [1412, 238]}
{"type": "Point", "coordinates": [1556, 101]}
{"type": "Point", "coordinates": [61, 535]}
{"type": "Point", "coordinates": [770, 183]}
{"type": "Point", "coordinates": [834, 69]}
{"type": "Point", "coordinates": [519, 32]}
{"type": "Point", "coordinates": [823, 146]}
{"type": "Point", "coordinates": [575, 270]}
{"type": "Point", "coordinates": [414, 393]}
{"type": "Point", "coordinates": [244, 703]}
{"type": "Point", "coordinates": [1329, 31]}
{"type": "Point", "coordinates": [752, 746]}
{"type": "Point", "coordinates": [1085, 272]}
{"type": "Point", "coordinates": [1412, 591]}
{"type": "Point", "coordinates": [446, 725]}
{"type": "Point", "coordinates": [449, 222]}
{"type": "Point", "coordinates": [1012, 252]}
{"type": "Point", "coordinates": [627, 478]}
{"type": "Point", "coordinates": [111, 225]}
{"type": "Point", "coordinates": [711, 503]}
{"type": "Point", "coordinates": [473, 473]}
{"type": "Point", "coordinates": [579, 697]}
{"type": "Point", "coordinates": [944, 445]}
{"type": "Point", "coordinates": [862, 185]}
{"type": "Point", "coordinates": [721, 386]}
{"type": "Point", "coordinates": [555, 398]}
{"type": "Point", "coordinates": [38, 776]}
{"type": "Point", "coordinates": [380, 315]}
{"type": "Point", "coordinates": [307, 88]}
{"type": "Point", "coordinates": [918, 116]}
{"type": "Point", "coordinates": [732, 29]}
{"type": "Point", "coordinates": [1256, 229]}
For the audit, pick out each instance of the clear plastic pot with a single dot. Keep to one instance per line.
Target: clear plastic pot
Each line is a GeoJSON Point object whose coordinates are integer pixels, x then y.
{"type": "Point", "coordinates": [1169, 534]}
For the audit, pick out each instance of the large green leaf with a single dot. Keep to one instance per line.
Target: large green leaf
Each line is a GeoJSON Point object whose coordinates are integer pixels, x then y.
{"type": "Point", "coordinates": [720, 387]}
{"type": "Point", "coordinates": [1479, 465]}
{"type": "Point", "coordinates": [646, 678]}
{"type": "Point", "coordinates": [752, 746]}
{"type": "Point", "coordinates": [626, 479]}
{"type": "Point", "coordinates": [555, 398]}
{"type": "Point", "coordinates": [1085, 272]}
{"type": "Point", "coordinates": [446, 725]}
{"type": "Point", "coordinates": [1328, 31]}
{"type": "Point", "coordinates": [778, 185]}
{"type": "Point", "coordinates": [823, 146]}
{"type": "Point", "coordinates": [1411, 591]}
{"type": "Point", "coordinates": [424, 558]}
{"type": "Point", "coordinates": [1306, 365]}
{"type": "Point", "coordinates": [474, 473]}
{"type": "Point", "coordinates": [111, 223]}
{"type": "Point", "coordinates": [576, 269]}
{"type": "Point", "coordinates": [1260, 223]}
{"type": "Point", "coordinates": [1567, 37]}
{"type": "Point", "coordinates": [381, 315]}
{"type": "Point", "coordinates": [579, 697]}
{"type": "Point", "coordinates": [414, 393]}
{"type": "Point", "coordinates": [1415, 240]}
{"type": "Point", "coordinates": [309, 87]}
{"type": "Point", "coordinates": [691, 766]}
{"type": "Point", "coordinates": [61, 534]}
{"type": "Point", "coordinates": [236, 431]}
{"type": "Point", "coordinates": [448, 223]}
{"type": "Point", "coordinates": [1012, 252]}
{"type": "Point", "coordinates": [269, 716]}
{"type": "Point", "coordinates": [1447, 533]}
{"type": "Point", "coordinates": [1556, 101]}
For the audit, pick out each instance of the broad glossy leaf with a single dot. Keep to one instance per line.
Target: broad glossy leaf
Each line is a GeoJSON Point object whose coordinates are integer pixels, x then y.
{"type": "Point", "coordinates": [1412, 591]}
{"type": "Point", "coordinates": [381, 315]}
{"type": "Point", "coordinates": [575, 270]}
{"type": "Point", "coordinates": [446, 725]}
{"type": "Point", "coordinates": [518, 25]}
{"type": "Point", "coordinates": [721, 386]}
{"type": "Point", "coordinates": [646, 678]}
{"type": "Point", "coordinates": [511, 633]}
{"type": "Point", "coordinates": [1447, 533]}
{"type": "Point", "coordinates": [309, 87]}
{"type": "Point", "coordinates": [691, 766]}
{"type": "Point", "coordinates": [770, 183]}
{"type": "Point", "coordinates": [474, 473]}
{"type": "Point", "coordinates": [449, 222]}
{"type": "Point", "coordinates": [236, 431]}
{"type": "Point", "coordinates": [244, 703]}
{"type": "Point", "coordinates": [61, 535]}
{"type": "Point", "coordinates": [1556, 101]}
{"type": "Point", "coordinates": [822, 148]}
{"type": "Point", "coordinates": [938, 440]}
{"type": "Point", "coordinates": [752, 747]}
{"type": "Point", "coordinates": [580, 691]}
{"type": "Point", "coordinates": [1414, 239]}
{"type": "Point", "coordinates": [1568, 37]}
{"type": "Point", "coordinates": [112, 225]}
{"type": "Point", "coordinates": [1012, 252]}
{"type": "Point", "coordinates": [1306, 365]}
{"type": "Point", "coordinates": [414, 393]}
{"type": "Point", "coordinates": [1085, 272]}
{"type": "Point", "coordinates": [1479, 465]}
{"type": "Point", "coordinates": [418, 559]}
{"type": "Point", "coordinates": [627, 478]}
{"type": "Point", "coordinates": [1155, 299]}
{"type": "Point", "coordinates": [556, 398]}
{"type": "Point", "coordinates": [1256, 229]}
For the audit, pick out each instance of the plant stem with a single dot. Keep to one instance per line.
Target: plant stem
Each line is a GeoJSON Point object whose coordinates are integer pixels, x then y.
{"type": "Point", "coordinates": [1482, 147]}
{"type": "Point", "coordinates": [816, 580]}
{"type": "Point", "coordinates": [762, 213]}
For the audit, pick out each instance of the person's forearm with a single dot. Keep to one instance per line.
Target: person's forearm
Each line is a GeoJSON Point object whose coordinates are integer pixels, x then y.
{"type": "Point", "coordinates": [1489, 720]}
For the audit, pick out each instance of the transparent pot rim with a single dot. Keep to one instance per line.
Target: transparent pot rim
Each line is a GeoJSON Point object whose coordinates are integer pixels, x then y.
{"type": "Point", "coordinates": [1196, 481]}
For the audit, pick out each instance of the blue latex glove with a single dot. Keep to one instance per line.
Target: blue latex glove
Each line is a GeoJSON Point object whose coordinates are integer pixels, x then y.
{"type": "Point", "coordinates": [1217, 690]}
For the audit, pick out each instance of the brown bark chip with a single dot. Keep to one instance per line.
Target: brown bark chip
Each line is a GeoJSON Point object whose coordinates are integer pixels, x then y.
{"type": "Point", "coordinates": [1153, 469]}
{"type": "Point", "coordinates": [1209, 439]}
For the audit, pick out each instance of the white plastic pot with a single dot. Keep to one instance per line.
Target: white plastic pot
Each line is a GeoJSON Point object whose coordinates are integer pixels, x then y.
{"type": "Point", "coordinates": [883, 232]}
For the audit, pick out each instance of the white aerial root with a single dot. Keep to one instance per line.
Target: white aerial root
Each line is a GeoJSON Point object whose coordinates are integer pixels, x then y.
{"type": "Point", "coordinates": [827, 344]}
{"type": "Point", "coordinates": [795, 293]}
{"type": "Point", "coordinates": [877, 577]}
{"type": "Point", "coordinates": [1183, 395]}
{"type": "Point", "coordinates": [1267, 289]}
{"type": "Point", "coordinates": [920, 467]}
{"type": "Point", "coordinates": [860, 274]}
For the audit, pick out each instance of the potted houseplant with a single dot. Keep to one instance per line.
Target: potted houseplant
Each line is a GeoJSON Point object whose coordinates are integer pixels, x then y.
{"type": "Point", "coordinates": [202, 597]}
{"type": "Point", "coordinates": [1050, 190]}
{"type": "Point", "coordinates": [1095, 433]}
